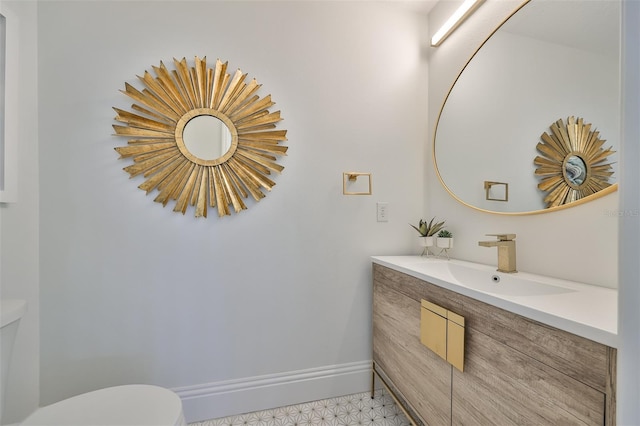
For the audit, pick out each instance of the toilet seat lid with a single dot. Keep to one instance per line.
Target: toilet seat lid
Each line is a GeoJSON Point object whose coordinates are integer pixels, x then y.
{"type": "Point", "coordinates": [129, 405]}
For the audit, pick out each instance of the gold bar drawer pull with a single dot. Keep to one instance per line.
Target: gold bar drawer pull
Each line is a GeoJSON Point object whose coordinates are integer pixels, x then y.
{"type": "Point", "coordinates": [442, 331]}
{"type": "Point", "coordinates": [433, 328]}
{"type": "Point", "coordinates": [455, 340]}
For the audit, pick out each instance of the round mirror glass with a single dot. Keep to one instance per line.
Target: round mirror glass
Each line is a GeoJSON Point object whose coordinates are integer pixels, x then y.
{"type": "Point", "coordinates": [206, 137]}
{"type": "Point", "coordinates": [575, 170]}
{"type": "Point", "coordinates": [551, 59]}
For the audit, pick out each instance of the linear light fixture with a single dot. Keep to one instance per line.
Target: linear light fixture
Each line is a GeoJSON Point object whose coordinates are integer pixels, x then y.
{"type": "Point", "coordinates": [466, 9]}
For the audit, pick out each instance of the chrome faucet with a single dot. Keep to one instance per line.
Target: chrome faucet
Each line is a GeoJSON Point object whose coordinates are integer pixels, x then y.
{"type": "Point", "coordinates": [506, 251]}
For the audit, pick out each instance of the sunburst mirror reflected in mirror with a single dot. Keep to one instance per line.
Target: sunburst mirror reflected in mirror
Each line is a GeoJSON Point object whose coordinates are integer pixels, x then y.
{"type": "Point", "coordinates": [573, 162]}
{"type": "Point", "coordinates": [201, 137]}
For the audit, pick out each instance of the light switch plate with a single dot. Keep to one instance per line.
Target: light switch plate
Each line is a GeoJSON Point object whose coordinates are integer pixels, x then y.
{"type": "Point", "coordinates": [382, 211]}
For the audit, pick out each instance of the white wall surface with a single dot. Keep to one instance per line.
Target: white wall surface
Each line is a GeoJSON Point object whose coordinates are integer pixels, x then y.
{"type": "Point", "coordinates": [579, 243]}
{"type": "Point", "coordinates": [133, 292]}
{"type": "Point", "coordinates": [629, 295]}
{"type": "Point", "coordinates": [19, 225]}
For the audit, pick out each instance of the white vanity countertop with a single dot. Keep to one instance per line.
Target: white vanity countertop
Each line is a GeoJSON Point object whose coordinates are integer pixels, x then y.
{"type": "Point", "coordinates": [585, 310]}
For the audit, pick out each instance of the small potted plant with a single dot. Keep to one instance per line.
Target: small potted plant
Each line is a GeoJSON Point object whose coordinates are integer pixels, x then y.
{"type": "Point", "coordinates": [427, 231]}
{"type": "Point", "coordinates": [445, 239]}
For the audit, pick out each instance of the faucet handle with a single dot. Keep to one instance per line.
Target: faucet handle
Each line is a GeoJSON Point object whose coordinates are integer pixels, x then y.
{"type": "Point", "coordinates": [503, 237]}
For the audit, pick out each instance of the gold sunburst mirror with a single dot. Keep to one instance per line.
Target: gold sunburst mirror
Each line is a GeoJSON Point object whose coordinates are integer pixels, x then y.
{"type": "Point", "coordinates": [201, 137]}
{"type": "Point", "coordinates": [573, 163]}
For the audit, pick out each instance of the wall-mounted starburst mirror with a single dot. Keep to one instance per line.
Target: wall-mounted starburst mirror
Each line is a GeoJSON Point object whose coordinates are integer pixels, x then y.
{"type": "Point", "coordinates": [201, 137]}
{"type": "Point", "coordinates": [573, 163]}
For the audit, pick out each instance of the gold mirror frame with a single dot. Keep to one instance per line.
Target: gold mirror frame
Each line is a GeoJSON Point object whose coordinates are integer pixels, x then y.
{"type": "Point", "coordinates": [566, 141]}
{"type": "Point", "coordinates": [164, 107]}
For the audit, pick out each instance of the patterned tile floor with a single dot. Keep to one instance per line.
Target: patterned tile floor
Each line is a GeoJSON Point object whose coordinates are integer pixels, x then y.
{"type": "Point", "coordinates": [358, 409]}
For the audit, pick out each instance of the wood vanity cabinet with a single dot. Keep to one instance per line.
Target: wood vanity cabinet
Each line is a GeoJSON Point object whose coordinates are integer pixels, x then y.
{"type": "Point", "coordinates": [516, 371]}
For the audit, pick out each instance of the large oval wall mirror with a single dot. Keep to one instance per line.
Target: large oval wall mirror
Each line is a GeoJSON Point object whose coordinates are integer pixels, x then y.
{"type": "Point", "coordinates": [201, 137]}
{"type": "Point", "coordinates": [549, 60]}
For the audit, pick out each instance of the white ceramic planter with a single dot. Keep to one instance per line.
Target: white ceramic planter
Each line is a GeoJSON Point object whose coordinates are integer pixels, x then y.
{"type": "Point", "coordinates": [445, 243]}
{"type": "Point", "coordinates": [426, 241]}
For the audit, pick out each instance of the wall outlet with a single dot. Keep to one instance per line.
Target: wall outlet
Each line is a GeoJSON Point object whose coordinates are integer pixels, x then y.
{"type": "Point", "coordinates": [382, 211]}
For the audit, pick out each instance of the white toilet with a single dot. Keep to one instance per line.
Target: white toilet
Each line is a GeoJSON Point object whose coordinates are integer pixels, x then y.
{"type": "Point", "coordinates": [128, 405]}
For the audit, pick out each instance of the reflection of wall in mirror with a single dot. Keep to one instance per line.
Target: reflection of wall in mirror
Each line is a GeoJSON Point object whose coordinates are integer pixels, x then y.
{"type": "Point", "coordinates": [508, 95]}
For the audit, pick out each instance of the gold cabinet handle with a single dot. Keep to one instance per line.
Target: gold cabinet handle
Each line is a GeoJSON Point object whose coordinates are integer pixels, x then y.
{"type": "Point", "coordinates": [442, 331]}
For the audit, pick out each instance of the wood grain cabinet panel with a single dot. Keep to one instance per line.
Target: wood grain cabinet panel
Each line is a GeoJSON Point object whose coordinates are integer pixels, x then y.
{"type": "Point", "coordinates": [517, 371]}
{"type": "Point", "coordinates": [420, 378]}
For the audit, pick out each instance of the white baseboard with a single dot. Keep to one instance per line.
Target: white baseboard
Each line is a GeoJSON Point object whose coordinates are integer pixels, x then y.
{"type": "Point", "coordinates": [230, 397]}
